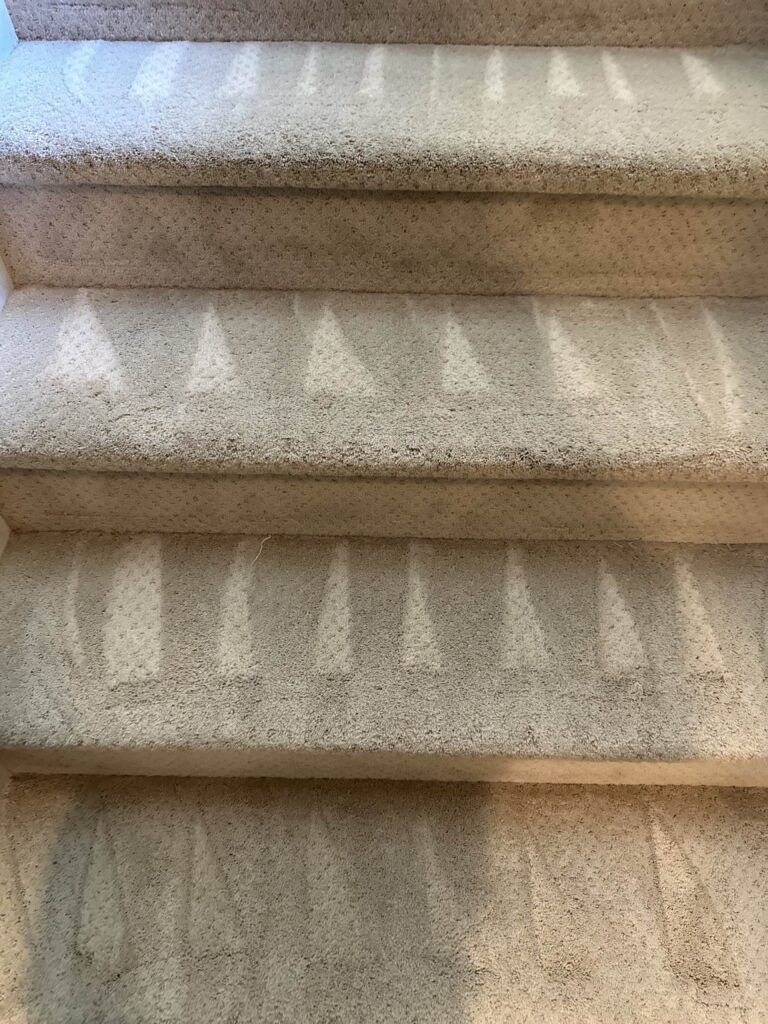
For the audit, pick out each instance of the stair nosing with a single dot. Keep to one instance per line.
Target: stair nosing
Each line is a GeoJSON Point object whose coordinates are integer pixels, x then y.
{"type": "Point", "coordinates": [354, 652]}
{"type": "Point", "coordinates": [330, 385]}
{"type": "Point", "coordinates": [60, 136]}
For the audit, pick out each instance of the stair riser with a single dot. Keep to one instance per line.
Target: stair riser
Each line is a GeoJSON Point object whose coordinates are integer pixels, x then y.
{"type": "Point", "coordinates": [388, 242]}
{"type": "Point", "coordinates": [532, 510]}
{"type": "Point", "coordinates": [553, 23]}
{"type": "Point", "coordinates": [224, 762]}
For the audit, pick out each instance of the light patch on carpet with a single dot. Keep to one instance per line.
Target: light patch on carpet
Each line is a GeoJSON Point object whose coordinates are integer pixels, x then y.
{"type": "Point", "coordinates": [372, 84]}
{"type": "Point", "coordinates": [573, 375]}
{"type": "Point", "coordinates": [242, 78]}
{"type": "Point", "coordinates": [215, 927]}
{"type": "Point", "coordinates": [235, 638]}
{"type": "Point", "coordinates": [85, 355]}
{"type": "Point", "coordinates": [333, 646]}
{"type": "Point", "coordinates": [307, 85]}
{"type": "Point", "coordinates": [700, 75]}
{"type": "Point", "coordinates": [734, 413]}
{"type": "Point", "coordinates": [494, 77]}
{"type": "Point", "coordinates": [214, 367]}
{"type": "Point", "coordinates": [561, 80]}
{"type": "Point", "coordinates": [616, 79]}
{"type": "Point", "coordinates": [695, 938]}
{"type": "Point", "coordinates": [6, 285]}
{"type": "Point", "coordinates": [434, 76]}
{"type": "Point", "coordinates": [77, 67]}
{"type": "Point", "coordinates": [523, 642]}
{"type": "Point", "coordinates": [462, 371]}
{"type": "Point", "coordinates": [156, 78]}
{"type": "Point", "coordinates": [693, 389]}
{"type": "Point", "coordinates": [420, 647]}
{"type": "Point", "coordinates": [132, 636]}
{"type": "Point", "coordinates": [102, 928]}
{"type": "Point", "coordinates": [621, 650]}
{"type": "Point", "coordinates": [332, 368]}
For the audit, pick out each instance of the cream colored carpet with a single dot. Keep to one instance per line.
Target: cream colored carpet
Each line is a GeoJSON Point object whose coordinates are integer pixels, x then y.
{"type": "Point", "coordinates": [402, 169]}
{"type": "Point", "coordinates": [298, 656]}
{"type": "Point", "coordinates": [513, 292]}
{"type": "Point", "coordinates": [438, 242]}
{"type": "Point", "coordinates": [384, 415]}
{"type": "Point", "coordinates": [157, 902]}
{"type": "Point", "coordinates": [376, 385]}
{"type": "Point", "coordinates": [549, 23]}
{"type": "Point", "coordinates": [657, 122]}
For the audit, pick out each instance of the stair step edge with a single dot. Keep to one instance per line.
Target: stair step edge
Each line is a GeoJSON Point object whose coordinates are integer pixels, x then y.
{"type": "Point", "coordinates": [336, 116]}
{"type": "Point", "coordinates": [298, 654]}
{"type": "Point", "coordinates": [385, 386]}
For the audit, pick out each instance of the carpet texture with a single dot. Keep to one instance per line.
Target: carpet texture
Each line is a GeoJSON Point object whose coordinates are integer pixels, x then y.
{"type": "Point", "coordinates": [161, 902]}
{"type": "Point", "coordinates": [362, 506]}
{"type": "Point", "coordinates": [374, 385]}
{"type": "Point", "coordinates": [520, 22]}
{"type": "Point", "coordinates": [652, 122]}
{"type": "Point", "coordinates": [239, 646]}
{"type": "Point", "coordinates": [397, 414]}
{"type": "Point", "coordinates": [439, 242]}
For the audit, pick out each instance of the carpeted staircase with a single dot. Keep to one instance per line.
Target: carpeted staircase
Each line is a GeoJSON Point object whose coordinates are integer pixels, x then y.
{"type": "Point", "coordinates": [384, 448]}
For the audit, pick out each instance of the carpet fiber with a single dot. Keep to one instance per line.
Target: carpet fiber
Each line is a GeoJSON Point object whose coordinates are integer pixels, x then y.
{"type": "Point", "coordinates": [439, 242]}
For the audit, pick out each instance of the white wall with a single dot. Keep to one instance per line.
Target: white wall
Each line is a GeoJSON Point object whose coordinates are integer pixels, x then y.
{"type": "Point", "coordinates": [7, 35]}
{"type": "Point", "coordinates": [7, 42]}
{"type": "Point", "coordinates": [5, 291]}
{"type": "Point", "coordinates": [5, 284]}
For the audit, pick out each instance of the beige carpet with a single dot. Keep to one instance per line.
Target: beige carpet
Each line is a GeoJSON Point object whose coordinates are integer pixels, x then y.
{"type": "Point", "coordinates": [403, 169]}
{"type": "Point", "coordinates": [419, 392]}
{"type": "Point", "coordinates": [467, 119]}
{"type": "Point", "coordinates": [241, 648]}
{"type": "Point", "coordinates": [165, 902]}
{"type": "Point", "coordinates": [365, 506]}
{"type": "Point", "coordinates": [376, 385]}
{"type": "Point", "coordinates": [550, 23]}
{"type": "Point", "coordinates": [384, 414]}
{"type": "Point", "coordinates": [438, 242]}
